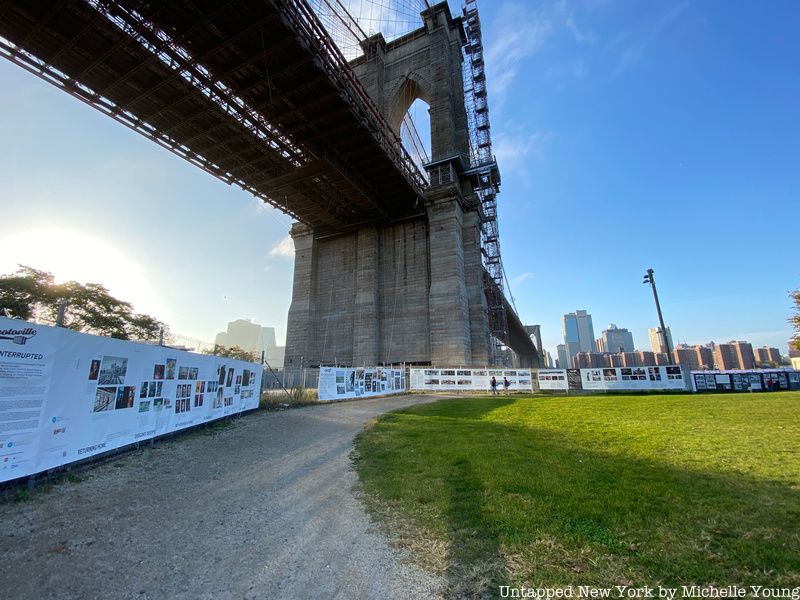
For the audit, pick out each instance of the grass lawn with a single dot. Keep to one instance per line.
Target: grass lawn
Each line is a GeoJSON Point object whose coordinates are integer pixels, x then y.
{"type": "Point", "coordinates": [592, 490]}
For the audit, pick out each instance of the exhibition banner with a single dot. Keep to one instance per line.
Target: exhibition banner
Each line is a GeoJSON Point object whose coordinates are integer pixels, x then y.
{"type": "Point", "coordinates": [612, 378]}
{"type": "Point", "coordinates": [469, 379]}
{"type": "Point", "coordinates": [633, 378]}
{"type": "Point", "coordinates": [339, 383]}
{"type": "Point", "coordinates": [66, 396]}
{"type": "Point", "coordinates": [745, 381]}
{"type": "Point", "coordinates": [552, 379]}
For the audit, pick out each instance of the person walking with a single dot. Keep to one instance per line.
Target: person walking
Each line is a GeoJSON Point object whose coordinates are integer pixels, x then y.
{"type": "Point", "coordinates": [493, 385]}
{"type": "Point", "coordinates": [506, 384]}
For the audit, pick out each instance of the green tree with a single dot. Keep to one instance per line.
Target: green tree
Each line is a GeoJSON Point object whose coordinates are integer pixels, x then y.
{"type": "Point", "coordinates": [234, 352]}
{"type": "Point", "coordinates": [33, 294]}
{"type": "Point", "coordinates": [29, 294]}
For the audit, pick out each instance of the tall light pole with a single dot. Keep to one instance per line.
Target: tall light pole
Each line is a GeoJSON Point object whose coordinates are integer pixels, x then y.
{"type": "Point", "coordinates": [648, 278]}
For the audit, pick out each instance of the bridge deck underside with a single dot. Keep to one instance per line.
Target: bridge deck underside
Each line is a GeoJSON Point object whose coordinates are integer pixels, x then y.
{"type": "Point", "coordinates": [242, 89]}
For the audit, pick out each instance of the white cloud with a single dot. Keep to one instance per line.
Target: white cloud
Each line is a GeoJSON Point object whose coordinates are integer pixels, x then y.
{"type": "Point", "coordinates": [629, 57]}
{"type": "Point", "coordinates": [519, 279]}
{"type": "Point", "coordinates": [581, 36]}
{"type": "Point", "coordinates": [633, 53]}
{"type": "Point", "coordinates": [520, 32]}
{"type": "Point", "coordinates": [513, 148]}
{"type": "Point", "coordinates": [283, 249]}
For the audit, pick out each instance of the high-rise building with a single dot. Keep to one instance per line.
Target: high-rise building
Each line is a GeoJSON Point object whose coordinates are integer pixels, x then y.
{"type": "Point", "coordinates": [794, 351]}
{"type": "Point", "coordinates": [686, 357]}
{"type": "Point", "coordinates": [734, 355]}
{"type": "Point", "coordinates": [657, 339]}
{"type": "Point", "coordinates": [578, 333]}
{"type": "Point", "coordinates": [646, 358]}
{"type": "Point", "coordinates": [725, 357]}
{"type": "Point", "coordinates": [249, 336]}
{"type": "Point", "coordinates": [694, 358]}
{"type": "Point", "coordinates": [548, 360]}
{"type": "Point", "coordinates": [744, 355]}
{"type": "Point", "coordinates": [662, 358]}
{"type": "Point", "coordinates": [768, 357]}
{"type": "Point", "coordinates": [615, 339]}
{"type": "Point", "coordinates": [564, 361]}
{"type": "Point", "coordinates": [705, 356]}
{"type": "Point", "coordinates": [590, 360]}
{"type": "Point", "coordinates": [631, 359]}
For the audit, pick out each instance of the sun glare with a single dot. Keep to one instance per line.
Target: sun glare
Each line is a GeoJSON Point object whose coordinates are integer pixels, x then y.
{"type": "Point", "coordinates": [71, 255]}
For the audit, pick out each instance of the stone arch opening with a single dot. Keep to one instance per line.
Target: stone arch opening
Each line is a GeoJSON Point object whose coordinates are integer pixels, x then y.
{"type": "Point", "coordinates": [410, 89]}
{"type": "Point", "coordinates": [410, 118]}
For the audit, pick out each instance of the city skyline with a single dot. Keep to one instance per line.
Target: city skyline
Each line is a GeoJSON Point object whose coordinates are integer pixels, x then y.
{"type": "Point", "coordinates": [90, 200]}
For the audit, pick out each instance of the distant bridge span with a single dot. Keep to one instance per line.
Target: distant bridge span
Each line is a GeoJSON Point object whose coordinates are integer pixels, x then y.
{"type": "Point", "coordinates": [257, 94]}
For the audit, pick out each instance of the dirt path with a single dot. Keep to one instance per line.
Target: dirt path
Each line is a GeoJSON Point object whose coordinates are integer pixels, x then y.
{"type": "Point", "coordinates": [262, 509]}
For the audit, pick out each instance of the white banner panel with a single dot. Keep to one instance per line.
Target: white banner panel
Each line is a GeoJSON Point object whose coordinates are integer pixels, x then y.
{"type": "Point", "coordinates": [633, 378]}
{"type": "Point", "coordinates": [552, 379]}
{"type": "Point", "coordinates": [469, 379]}
{"type": "Point", "coordinates": [65, 396]}
{"type": "Point", "coordinates": [338, 383]}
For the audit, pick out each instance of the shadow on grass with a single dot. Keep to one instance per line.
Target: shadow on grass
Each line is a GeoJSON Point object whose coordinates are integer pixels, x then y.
{"type": "Point", "coordinates": [531, 506]}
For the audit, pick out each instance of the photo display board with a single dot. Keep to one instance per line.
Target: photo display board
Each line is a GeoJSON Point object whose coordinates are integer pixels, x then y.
{"type": "Point", "coordinates": [744, 381]}
{"type": "Point", "coordinates": [633, 378]}
{"type": "Point", "coordinates": [552, 379]}
{"type": "Point", "coordinates": [66, 396]}
{"type": "Point", "coordinates": [469, 379]}
{"type": "Point", "coordinates": [612, 378]}
{"type": "Point", "coordinates": [339, 383]}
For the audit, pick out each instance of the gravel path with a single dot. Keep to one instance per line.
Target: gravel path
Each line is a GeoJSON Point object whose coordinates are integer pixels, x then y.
{"type": "Point", "coordinates": [265, 508]}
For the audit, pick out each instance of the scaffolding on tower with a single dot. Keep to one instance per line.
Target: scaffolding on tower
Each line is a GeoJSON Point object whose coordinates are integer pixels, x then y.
{"type": "Point", "coordinates": [483, 169]}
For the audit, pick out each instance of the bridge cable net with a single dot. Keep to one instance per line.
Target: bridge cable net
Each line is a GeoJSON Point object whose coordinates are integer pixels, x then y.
{"type": "Point", "coordinates": [350, 22]}
{"type": "Point", "coordinates": [306, 19]}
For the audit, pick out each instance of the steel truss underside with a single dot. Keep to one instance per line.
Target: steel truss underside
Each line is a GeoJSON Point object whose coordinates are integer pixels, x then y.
{"type": "Point", "coordinates": [253, 92]}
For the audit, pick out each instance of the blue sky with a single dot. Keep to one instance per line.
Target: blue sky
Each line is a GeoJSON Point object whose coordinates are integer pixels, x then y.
{"type": "Point", "coordinates": [629, 135]}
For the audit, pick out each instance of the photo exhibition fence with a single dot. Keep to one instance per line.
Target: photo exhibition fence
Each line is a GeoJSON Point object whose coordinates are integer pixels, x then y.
{"type": "Point", "coordinates": [66, 396]}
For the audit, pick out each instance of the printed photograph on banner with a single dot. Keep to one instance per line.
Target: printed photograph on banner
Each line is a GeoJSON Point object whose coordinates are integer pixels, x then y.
{"type": "Point", "coordinates": [104, 399]}
{"type": "Point", "coordinates": [158, 372]}
{"type": "Point", "coordinates": [193, 373]}
{"type": "Point", "coordinates": [144, 406]}
{"type": "Point", "coordinates": [125, 396]}
{"type": "Point", "coordinates": [94, 370]}
{"type": "Point", "coordinates": [229, 380]}
{"type": "Point", "coordinates": [246, 378]}
{"type": "Point", "coordinates": [183, 372]}
{"type": "Point", "coordinates": [151, 389]}
{"type": "Point", "coordinates": [340, 389]}
{"type": "Point", "coordinates": [158, 403]}
{"type": "Point", "coordinates": [221, 375]}
{"type": "Point", "coordinates": [158, 387]}
{"type": "Point", "coordinates": [113, 370]}
{"type": "Point", "coordinates": [170, 370]}
{"type": "Point", "coordinates": [609, 374]}
{"type": "Point", "coordinates": [143, 390]}
{"type": "Point", "coordinates": [675, 373]}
